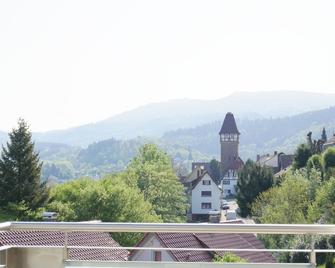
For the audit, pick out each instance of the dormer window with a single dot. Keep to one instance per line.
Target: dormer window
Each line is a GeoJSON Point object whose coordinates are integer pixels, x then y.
{"type": "Point", "coordinates": [206, 182]}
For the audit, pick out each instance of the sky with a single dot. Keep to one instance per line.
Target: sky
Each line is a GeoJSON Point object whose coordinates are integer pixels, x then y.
{"type": "Point", "coordinates": [66, 63]}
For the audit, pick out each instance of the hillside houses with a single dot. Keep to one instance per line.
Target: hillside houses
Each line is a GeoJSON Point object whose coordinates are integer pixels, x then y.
{"type": "Point", "coordinates": [276, 161]}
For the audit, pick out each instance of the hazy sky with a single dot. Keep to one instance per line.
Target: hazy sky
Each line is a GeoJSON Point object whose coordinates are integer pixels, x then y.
{"type": "Point", "coordinates": [64, 63]}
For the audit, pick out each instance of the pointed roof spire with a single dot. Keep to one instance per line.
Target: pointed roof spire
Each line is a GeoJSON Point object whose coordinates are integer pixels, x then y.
{"type": "Point", "coordinates": [229, 125]}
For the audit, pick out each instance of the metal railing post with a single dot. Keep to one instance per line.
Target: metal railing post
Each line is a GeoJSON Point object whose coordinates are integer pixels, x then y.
{"type": "Point", "coordinates": [312, 255]}
{"type": "Point", "coordinates": [66, 244]}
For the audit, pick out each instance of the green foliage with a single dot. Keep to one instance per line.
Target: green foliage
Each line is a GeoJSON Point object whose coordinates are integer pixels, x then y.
{"type": "Point", "coordinates": [215, 167]}
{"type": "Point", "coordinates": [151, 171]}
{"type": "Point", "coordinates": [109, 200]}
{"type": "Point", "coordinates": [228, 258]}
{"type": "Point", "coordinates": [315, 162]}
{"type": "Point", "coordinates": [329, 261]}
{"type": "Point", "coordinates": [253, 180]}
{"type": "Point", "coordinates": [20, 172]}
{"type": "Point", "coordinates": [286, 203]}
{"type": "Point", "coordinates": [329, 158]}
{"type": "Point", "coordinates": [301, 156]}
{"type": "Point", "coordinates": [59, 170]}
{"type": "Point", "coordinates": [323, 208]}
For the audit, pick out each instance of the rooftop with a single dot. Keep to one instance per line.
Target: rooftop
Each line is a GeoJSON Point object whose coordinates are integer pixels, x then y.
{"type": "Point", "coordinates": [229, 125]}
{"type": "Point", "coordinates": [14, 255]}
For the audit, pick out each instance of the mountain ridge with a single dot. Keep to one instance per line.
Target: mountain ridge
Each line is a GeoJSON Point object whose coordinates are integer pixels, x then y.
{"type": "Point", "coordinates": [153, 120]}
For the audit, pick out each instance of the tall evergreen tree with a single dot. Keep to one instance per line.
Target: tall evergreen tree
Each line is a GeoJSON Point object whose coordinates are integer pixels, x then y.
{"type": "Point", "coordinates": [20, 171]}
{"type": "Point", "coordinates": [253, 180]}
{"type": "Point", "coordinates": [324, 135]}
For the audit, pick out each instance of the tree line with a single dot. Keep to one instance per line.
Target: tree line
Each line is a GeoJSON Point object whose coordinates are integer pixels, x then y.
{"type": "Point", "coordinates": [303, 194]}
{"type": "Point", "coordinates": [146, 191]}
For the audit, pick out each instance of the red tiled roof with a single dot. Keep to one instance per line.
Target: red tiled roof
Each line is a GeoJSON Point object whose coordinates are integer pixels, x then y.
{"type": "Point", "coordinates": [189, 240]}
{"type": "Point", "coordinates": [185, 240]}
{"type": "Point", "coordinates": [52, 238]}
{"type": "Point", "coordinates": [238, 241]}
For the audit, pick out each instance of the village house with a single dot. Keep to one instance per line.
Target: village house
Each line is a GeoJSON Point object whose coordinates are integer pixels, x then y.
{"type": "Point", "coordinates": [194, 240]}
{"type": "Point", "coordinates": [277, 161]}
{"type": "Point", "coordinates": [205, 197]}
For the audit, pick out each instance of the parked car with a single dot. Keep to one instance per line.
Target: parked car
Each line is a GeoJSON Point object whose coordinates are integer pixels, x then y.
{"type": "Point", "coordinates": [230, 215]}
{"type": "Point", "coordinates": [224, 205]}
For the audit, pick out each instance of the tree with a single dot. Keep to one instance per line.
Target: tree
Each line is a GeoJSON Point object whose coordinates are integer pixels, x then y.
{"type": "Point", "coordinates": [20, 173]}
{"type": "Point", "coordinates": [253, 180]}
{"type": "Point", "coordinates": [301, 156]}
{"type": "Point", "coordinates": [315, 162]}
{"type": "Point", "coordinates": [286, 203]}
{"type": "Point", "coordinates": [109, 200]}
{"type": "Point", "coordinates": [228, 258]}
{"type": "Point", "coordinates": [215, 167]}
{"type": "Point", "coordinates": [152, 172]}
{"type": "Point", "coordinates": [322, 210]}
{"type": "Point", "coordinates": [329, 158]}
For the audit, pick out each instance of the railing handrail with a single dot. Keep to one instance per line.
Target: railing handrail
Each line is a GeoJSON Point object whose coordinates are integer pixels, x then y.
{"type": "Point", "coordinates": [312, 229]}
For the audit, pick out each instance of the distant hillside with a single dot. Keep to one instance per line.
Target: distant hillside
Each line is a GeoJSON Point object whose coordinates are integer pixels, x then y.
{"type": "Point", "coordinates": [62, 162]}
{"type": "Point", "coordinates": [186, 145]}
{"type": "Point", "coordinates": [154, 120]}
{"type": "Point", "coordinates": [257, 136]}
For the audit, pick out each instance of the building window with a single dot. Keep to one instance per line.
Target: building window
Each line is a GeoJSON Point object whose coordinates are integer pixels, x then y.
{"type": "Point", "coordinates": [206, 182]}
{"type": "Point", "coordinates": [206, 205]}
{"type": "Point", "coordinates": [206, 193]}
{"type": "Point", "coordinates": [157, 256]}
{"type": "Point", "coordinates": [226, 182]}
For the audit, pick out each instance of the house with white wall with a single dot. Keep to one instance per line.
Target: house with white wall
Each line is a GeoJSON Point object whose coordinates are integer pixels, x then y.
{"type": "Point", "coordinates": [205, 197]}
{"type": "Point", "coordinates": [201, 241]}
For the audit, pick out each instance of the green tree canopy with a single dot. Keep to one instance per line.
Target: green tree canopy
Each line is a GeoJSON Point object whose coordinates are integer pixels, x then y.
{"type": "Point", "coordinates": [329, 158]}
{"type": "Point", "coordinates": [286, 203]}
{"type": "Point", "coordinates": [323, 208]}
{"type": "Point", "coordinates": [253, 180]}
{"type": "Point", "coordinates": [215, 167]}
{"type": "Point", "coordinates": [315, 162]}
{"type": "Point", "coordinates": [152, 172]}
{"type": "Point", "coordinates": [229, 258]}
{"type": "Point", "coordinates": [301, 156]}
{"type": "Point", "coordinates": [109, 200]}
{"type": "Point", "coordinates": [20, 174]}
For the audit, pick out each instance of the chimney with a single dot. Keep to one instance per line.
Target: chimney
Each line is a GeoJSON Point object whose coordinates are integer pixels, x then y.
{"type": "Point", "coordinates": [258, 157]}
{"type": "Point", "coordinates": [275, 153]}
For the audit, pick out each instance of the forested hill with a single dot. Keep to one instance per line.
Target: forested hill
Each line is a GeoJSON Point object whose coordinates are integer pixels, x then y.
{"type": "Point", "coordinates": [257, 136]}
{"type": "Point", "coordinates": [154, 119]}
{"type": "Point", "coordinates": [183, 145]}
{"type": "Point", "coordinates": [63, 162]}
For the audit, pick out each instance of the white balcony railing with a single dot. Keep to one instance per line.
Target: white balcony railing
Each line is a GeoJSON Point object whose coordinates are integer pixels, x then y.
{"type": "Point", "coordinates": [68, 227]}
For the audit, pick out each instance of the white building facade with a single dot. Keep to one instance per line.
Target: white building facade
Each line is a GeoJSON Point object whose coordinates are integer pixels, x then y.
{"type": "Point", "coordinates": [229, 183]}
{"type": "Point", "coordinates": [205, 197]}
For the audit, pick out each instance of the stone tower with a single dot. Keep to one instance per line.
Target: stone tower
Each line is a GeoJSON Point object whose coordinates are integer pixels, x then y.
{"type": "Point", "coordinates": [229, 139]}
